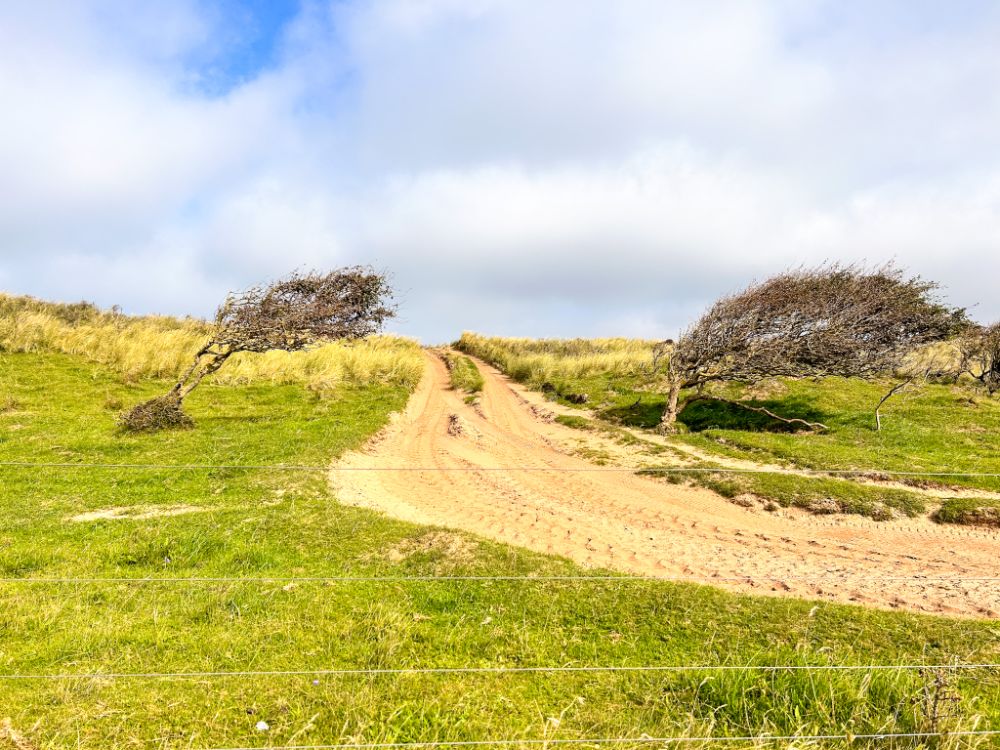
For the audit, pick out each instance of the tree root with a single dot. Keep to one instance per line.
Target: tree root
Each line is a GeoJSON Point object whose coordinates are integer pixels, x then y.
{"type": "Point", "coordinates": [814, 426]}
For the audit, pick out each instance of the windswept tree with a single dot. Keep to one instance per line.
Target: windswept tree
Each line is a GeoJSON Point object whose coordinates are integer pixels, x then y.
{"type": "Point", "coordinates": [287, 315]}
{"type": "Point", "coordinates": [835, 320]}
{"type": "Point", "coordinates": [979, 355]}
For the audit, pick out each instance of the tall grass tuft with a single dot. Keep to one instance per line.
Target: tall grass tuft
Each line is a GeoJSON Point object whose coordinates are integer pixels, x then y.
{"type": "Point", "coordinates": [162, 347]}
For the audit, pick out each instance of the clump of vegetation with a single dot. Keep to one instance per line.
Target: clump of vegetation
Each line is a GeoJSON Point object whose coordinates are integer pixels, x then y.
{"type": "Point", "coordinates": [288, 315]}
{"type": "Point", "coordinates": [462, 371]}
{"type": "Point", "coordinates": [841, 321]}
{"type": "Point", "coordinates": [577, 423]}
{"type": "Point", "coordinates": [158, 413]}
{"type": "Point", "coordinates": [969, 511]}
{"type": "Point", "coordinates": [72, 313]}
{"type": "Point", "coordinates": [819, 495]}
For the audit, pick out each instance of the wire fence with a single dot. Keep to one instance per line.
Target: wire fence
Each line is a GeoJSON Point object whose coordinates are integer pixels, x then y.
{"type": "Point", "coordinates": [473, 469]}
{"type": "Point", "coordinates": [641, 740]}
{"type": "Point", "coordinates": [838, 576]}
{"type": "Point", "coordinates": [664, 669]}
{"type": "Point", "coordinates": [390, 579]}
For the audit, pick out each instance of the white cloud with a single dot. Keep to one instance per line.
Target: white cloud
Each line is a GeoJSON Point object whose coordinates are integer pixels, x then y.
{"type": "Point", "coordinates": [559, 168]}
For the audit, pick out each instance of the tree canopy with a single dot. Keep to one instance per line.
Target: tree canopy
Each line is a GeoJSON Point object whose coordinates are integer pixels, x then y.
{"type": "Point", "coordinates": [835, 320]}
{"type": "Point", "coordinates": [290, 314]}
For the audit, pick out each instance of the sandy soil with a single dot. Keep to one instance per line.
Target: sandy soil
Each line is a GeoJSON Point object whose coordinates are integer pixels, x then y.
{"type": "Point", "coordinates": [460, 462]}
{"type": "Point", "coordinates": [135, 513]}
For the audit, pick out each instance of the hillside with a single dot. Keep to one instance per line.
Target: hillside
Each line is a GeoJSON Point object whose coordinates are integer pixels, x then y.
{"type": "Point", "coordinates": [150, 600]}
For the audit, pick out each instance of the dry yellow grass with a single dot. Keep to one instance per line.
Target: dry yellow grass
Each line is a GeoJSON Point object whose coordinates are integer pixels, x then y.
{"type": "Point", "coordinates": [538, 360]}
{"type": "Point", "coordinates": [158, 346]}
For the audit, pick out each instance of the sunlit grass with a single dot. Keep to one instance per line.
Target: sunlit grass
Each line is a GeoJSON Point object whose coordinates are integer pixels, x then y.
{"type": "Point", "coordinates": [536, 361]}
{"type": "Point", "coordinates": [163, 347]}
{"type": "Point", "coordinates": [273, 523]}
{"type": "Point", "coordinates": [462, 373]}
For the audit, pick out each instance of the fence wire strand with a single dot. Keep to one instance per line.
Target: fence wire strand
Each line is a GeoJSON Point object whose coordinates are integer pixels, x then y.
{"type": "Point", "coordinates": [840, 578]}
{"type": "Point", "coordinates": [644, 740]}
{"type": "Point", "coordinates": [561, 469]}
{"type": "Point", "coordinates": [674, 668]}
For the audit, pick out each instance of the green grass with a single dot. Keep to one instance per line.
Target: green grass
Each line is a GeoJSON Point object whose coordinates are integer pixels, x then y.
{"type": "Point", "coordinates": [819, 495]}
{"type": "Point", "coordinates": [969, 511]}
{"type": "Point", "coordinates": [934, 428]}
{"type": "Point", "coordinates": [270, 523]}
{"type": "Point", "coordinates": [576, 422]}
{"type": "Point", "coordinates": [464, 374]}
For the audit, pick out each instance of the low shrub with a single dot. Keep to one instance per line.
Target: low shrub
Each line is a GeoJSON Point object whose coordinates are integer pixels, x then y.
{"type": "Point", "coordinates": [160, 413]}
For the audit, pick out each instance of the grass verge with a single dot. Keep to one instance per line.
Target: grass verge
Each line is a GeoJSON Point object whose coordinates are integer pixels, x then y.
{"type": "Point", "coordinates": [818, 495]}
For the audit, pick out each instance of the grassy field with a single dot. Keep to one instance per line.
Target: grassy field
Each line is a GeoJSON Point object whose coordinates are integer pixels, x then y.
{"type": "Point", "coordinates": [931, 428]}
{"type": "Point", "coordinates": [172, 523]}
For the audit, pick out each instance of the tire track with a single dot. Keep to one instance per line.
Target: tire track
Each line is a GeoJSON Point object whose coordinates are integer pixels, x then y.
{"type": "Point", "coordinates": [639, 525]}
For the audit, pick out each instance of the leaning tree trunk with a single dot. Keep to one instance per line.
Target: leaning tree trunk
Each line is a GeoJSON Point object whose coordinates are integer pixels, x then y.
{"type": "Point", "coordinates": [184, 387]}
{"type": "Point", "coordinates": [892, 392]}
{"type": "Point", "coordinates": [669, 418]}
{"type": "Point", "coordinates": [197, 372]}
{"type": "Point", "coordinates": [167, 410]}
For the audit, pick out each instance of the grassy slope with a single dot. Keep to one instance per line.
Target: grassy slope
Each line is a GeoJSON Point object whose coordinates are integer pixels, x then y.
{"type": "Point", "coordinates": [57, 408]}
{"type": "Point", "coordinates": [935, 428]}
{"type": "Point", "coordinates": [159, 346]}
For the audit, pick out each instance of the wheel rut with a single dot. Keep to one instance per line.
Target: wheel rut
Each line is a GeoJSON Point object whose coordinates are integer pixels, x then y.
{"type": "Point", "coordinates": [499, 469]}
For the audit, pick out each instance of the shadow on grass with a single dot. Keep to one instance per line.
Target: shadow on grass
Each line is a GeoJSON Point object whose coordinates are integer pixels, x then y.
{"type": "Point", "coordinates": [644, 413]}
{"type": "Point", "coordinates": [710, 414]}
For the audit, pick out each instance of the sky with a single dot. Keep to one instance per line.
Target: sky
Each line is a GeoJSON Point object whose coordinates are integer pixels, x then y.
{"type": "Point", "coordinates": [519, 167]}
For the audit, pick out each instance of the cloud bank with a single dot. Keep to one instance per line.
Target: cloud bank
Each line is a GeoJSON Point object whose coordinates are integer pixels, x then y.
{"type": "Point", "coordinates": [545, 168]}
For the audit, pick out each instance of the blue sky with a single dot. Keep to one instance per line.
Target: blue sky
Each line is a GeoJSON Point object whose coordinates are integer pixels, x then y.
{"type": "Point", "coordinates": [257, 28]}
{"type": "Point", "coordinates": [554, 167]}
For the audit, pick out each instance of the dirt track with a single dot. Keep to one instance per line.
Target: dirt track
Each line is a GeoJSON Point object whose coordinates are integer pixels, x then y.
{"type": "Point", "coordinates": [621, 521]}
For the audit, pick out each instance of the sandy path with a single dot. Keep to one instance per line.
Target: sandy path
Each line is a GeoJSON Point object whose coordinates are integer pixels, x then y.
{"type": "Point", "coordinates": [637, 525]}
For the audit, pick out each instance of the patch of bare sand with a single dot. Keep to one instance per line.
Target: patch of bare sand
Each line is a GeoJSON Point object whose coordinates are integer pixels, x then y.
{"type": "Point", "coordinates": [136, 513]}
{"type": "Point", "coordinates": [454, 547]}
{"type": "Point", "coordinates": [512, 479]}
{"type": "Point", "coordinates": [12, 738]}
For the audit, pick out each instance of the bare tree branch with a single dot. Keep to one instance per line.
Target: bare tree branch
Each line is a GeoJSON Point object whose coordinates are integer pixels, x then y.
{"type": "Point", "coordinates": [833, 321]}
{"type": "Point", "coordinates": [287, 315]}
{"type": "Point", "coordinates": [979, 355]}
{"type": "Point", "coordinates": [891, 392]}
